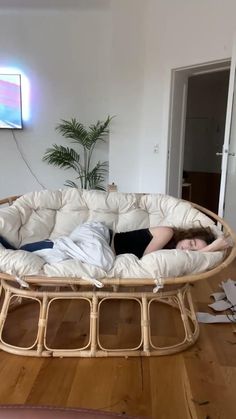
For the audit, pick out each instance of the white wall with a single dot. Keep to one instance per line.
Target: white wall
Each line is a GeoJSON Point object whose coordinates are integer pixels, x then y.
{"type": "Point", "coordinates": [65, 53]}
{"type": "Point", "coordinates": [180, 33]}
{"type": "Point", "coordinates": [94, 57]}
{"type": "Point", "coordinates": [127, 82]}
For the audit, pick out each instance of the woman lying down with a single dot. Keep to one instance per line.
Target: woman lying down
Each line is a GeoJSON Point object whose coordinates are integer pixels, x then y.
{"type": "Point", "coordinates": [95, 244]}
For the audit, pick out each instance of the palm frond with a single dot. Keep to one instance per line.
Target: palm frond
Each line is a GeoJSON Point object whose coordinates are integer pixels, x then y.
{"type": "Point", "coordinates": [63, 157]}
{"type": "Point", "coordinates": [98, 131]}
{"type": "Point", "coordinates": [97, 175]}
{"type": "Point", "coordinates": [74, 130]}
{"type": "Point", "coordinates": [71, 184]}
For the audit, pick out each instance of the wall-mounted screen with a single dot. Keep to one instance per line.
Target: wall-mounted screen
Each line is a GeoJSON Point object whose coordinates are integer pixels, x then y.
{"type": "Point", "coordinates": [10, 101]}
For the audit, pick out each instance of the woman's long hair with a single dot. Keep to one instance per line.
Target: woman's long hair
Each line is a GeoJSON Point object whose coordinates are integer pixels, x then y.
{"type": "Point", "coordinates": [203, 233]}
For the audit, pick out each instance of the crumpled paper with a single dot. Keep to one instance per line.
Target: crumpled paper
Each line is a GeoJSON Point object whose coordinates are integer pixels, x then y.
{"type": "Point", "coordinates": [224, 300]}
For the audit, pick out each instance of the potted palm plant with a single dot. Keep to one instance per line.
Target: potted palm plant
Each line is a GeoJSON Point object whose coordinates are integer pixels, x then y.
{"type": "Point", "coordinates": [87, 177]}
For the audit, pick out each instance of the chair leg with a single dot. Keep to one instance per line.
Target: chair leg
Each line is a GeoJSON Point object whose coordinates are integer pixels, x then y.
{"type": "Point", "coordinates": [42, 325]}
{"type": "Point", "coordinates": [145, 326]}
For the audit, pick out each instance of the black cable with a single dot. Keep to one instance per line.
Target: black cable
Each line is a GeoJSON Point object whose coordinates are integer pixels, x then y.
{"type": "Point", "coordinates": [25, 161]}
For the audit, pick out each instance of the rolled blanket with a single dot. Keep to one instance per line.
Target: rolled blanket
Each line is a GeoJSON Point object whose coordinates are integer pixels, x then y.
{"type": "Point", "coordinates": [88, 243]}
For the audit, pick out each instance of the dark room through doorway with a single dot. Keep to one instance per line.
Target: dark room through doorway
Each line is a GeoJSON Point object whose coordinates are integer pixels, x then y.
{"type": "Point", "coordinates": [204, 136]}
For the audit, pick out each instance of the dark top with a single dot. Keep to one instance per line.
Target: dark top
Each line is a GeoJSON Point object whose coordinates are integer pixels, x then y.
{"type": "Point", "coordinates": [135, 242]}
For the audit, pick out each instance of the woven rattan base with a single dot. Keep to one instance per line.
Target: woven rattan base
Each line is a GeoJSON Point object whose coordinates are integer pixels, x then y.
{"type": "Point", "coordinates": [179, 299]}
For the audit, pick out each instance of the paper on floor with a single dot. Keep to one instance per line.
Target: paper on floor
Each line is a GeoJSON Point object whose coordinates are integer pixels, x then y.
{"type": "Point", "coordinates": [219, 318]}
{"type": "Point", "coordinates": [223, 301]}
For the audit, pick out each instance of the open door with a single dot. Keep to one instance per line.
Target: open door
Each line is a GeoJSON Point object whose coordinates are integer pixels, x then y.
{"type": "Point", "coordinates": [227, 200]}
{"type": "Point", "coordinates": [177, 121]}
{"type": "Point", "coordinates": [177, 130]}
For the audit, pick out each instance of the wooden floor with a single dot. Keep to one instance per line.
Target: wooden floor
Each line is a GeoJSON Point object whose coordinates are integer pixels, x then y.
{"type": "Point", "coordinates": [199, 383]}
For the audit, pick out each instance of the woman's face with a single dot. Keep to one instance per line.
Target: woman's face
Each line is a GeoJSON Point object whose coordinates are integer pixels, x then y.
{"type": "Point", "coordinates": [191, 244]}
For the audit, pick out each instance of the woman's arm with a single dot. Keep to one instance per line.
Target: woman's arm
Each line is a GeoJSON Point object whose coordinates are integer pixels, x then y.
{"type": "Point", "coordinates": [221, 243]}
{"type": "Point", "coordinates": [161, 236]}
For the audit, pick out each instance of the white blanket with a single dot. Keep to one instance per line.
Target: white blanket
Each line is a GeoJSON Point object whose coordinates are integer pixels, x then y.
{"type": "Point", "coordinates": [88, 243]}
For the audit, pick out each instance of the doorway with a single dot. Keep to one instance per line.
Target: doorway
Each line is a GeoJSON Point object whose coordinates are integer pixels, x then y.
{"type": "Point", "coordinates": [204, 137]}
{"type": "Point", "coordinates": [197, 124]}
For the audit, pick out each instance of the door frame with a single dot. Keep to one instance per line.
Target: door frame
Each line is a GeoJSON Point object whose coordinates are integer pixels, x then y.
{"type": "Point", "coordinates": [228, 121]}
{"type": "Point", "coordinates": [176, 131]}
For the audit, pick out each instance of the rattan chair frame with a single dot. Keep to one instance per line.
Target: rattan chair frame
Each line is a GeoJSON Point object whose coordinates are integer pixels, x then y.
{"type": "Point", "coordinates": [46, 290]}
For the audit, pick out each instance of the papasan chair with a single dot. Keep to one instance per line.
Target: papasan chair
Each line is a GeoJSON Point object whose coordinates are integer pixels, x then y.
{"type": "Point", "coordinates": [158, 281]}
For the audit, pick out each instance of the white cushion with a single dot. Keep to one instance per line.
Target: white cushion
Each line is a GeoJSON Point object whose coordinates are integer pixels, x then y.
{"type": "Point", "coordinates": [19, 262]}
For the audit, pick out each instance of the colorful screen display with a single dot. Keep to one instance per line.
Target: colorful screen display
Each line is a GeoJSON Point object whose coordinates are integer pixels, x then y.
{"type": "Point", "coordinates": [10, 101]}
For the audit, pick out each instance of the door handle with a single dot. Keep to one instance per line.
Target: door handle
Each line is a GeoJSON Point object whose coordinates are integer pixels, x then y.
{"type": "Point", "coordinates": [226, 151]}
